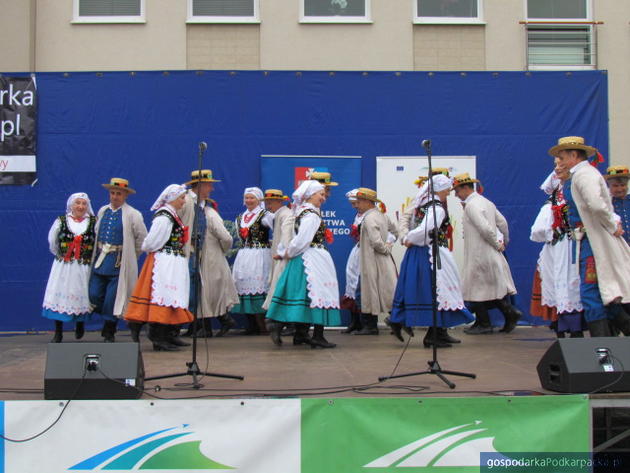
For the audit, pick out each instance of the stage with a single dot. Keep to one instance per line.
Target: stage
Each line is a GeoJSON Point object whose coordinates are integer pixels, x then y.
{"type": "Point", "coordinates": [502, 363]}
{"type": "Point", "coordinates": [296, 402]}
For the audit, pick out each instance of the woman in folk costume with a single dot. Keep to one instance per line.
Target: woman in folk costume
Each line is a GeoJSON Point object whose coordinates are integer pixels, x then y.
{"type": "Point", "coordinates": [252, 265]}
{"type": "Point", "coordinates": [162, 291]}
{"type": "Point", "coordinates": [307, 291]}
{"type": "Point", "coordinates": [353, 271]}
{"type": "Point", "coordinates": [71, 240]}
{"type": "Point", "coordinates": [556, 288]}
{"type": "Point", "coordinates": [413, 299]}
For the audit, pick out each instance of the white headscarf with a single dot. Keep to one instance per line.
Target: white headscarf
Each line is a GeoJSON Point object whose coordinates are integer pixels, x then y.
{"type": "Point", "coordinates": [75, 196]}
{"type": "Point", "coordinates": [352, 195]}
{"type": "Point", "coordinates": [440, 183]}
{"type": "Point", "coordinates": [551, 183]}
{"type": "Point", "coordinates": [258, 193]}
{"type": "Point", "coordinates": [169, 194]}
{"type": "Point", "coordinates": [306, 190]}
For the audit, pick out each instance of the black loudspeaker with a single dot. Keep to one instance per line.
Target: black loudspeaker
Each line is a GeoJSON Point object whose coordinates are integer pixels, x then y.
{"type": "Point", "coordinates": [93, 371]}
{"type": "Point", "coordinates": [586, 365]}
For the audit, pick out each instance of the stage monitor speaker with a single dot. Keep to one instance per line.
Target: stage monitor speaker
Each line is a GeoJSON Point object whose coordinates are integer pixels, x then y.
{"type": "Point", "coordinates": [85, 370]}
{"type": "Point", "coordinates": [586, 365]}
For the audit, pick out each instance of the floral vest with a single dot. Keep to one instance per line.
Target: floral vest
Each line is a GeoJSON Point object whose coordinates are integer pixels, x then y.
{"type": "Point", "coordinates": [319, 238]}
{"type": "Point", "coordinates": [77, 247]}
{"type": "Point", "coordinates": [175, 243]}
{"type": "Point", "coordinates": [444, 231]}
{"type": "Point", "coordinates": [256, 235]}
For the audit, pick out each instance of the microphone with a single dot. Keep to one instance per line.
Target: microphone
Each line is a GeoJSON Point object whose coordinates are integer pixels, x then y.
{"type": "Point", "coordinates": [426, 143]}
{"type": "Point", "coordinates": [203, 146]}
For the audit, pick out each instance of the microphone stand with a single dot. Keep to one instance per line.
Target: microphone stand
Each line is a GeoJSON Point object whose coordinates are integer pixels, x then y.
{"type": "Point", "coordinates": [193, 368]}
{"type": "Point", "coordinates": [434, 365]}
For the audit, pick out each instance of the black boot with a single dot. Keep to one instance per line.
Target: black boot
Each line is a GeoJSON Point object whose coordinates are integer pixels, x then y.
{"type": "Point", "coordinates": [370, 325]}
{"type": "Point", "coordinates": [58, 332]}
{"type": "Point", "coordinates": [172, 336]}
{"type": "Point", "coordinates": [318, 339]}
{"type": "Point", "coordinates": [109, 330]}
{"type": "Point", "coordinates": [621, 320]}
{"type": "Point", "coordinates": [432, 338]}
{"type": "Point", "coordinates": [134, 329]}
{"type": "Point", "coordinates": [227, 322]}
{"type": "Point", "coordinates": [445, 337]}
{"type": "Point", "coordinates": [288, 330]}
{"type": "Point", "coordinates": [205, 328]}
{"type": "Point", "coordinates": [79, 330]}
{"type": "Point", "coordinates": [275, 329]}
{"type": "Point", "coordinates": [599, 328]}
{"type": "Point", "coordinates": [511, 314]}
{"type": "Point", "coordinates": [252, 326]}
{"type": "Point", "coordinates": [577, 334]}
{"type": "Point", "coordinates": [355, 323]}
{"type": "Point", "coordinates": [301, 334]}
{"type": "Point", "coordinates": [396, 328]}
{"type": "Point", "coordinates": [482, 323]}
{"type": "Point", "coordinates": [159, 334]}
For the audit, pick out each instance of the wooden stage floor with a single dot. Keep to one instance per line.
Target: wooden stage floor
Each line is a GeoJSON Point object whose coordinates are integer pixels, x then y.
{"type": "Point", "coordinates": [503, 364]}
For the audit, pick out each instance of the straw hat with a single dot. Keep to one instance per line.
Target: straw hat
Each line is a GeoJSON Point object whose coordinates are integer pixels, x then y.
{"type": "Point", "coordinates": [323, 177]}
{"type": "Point", "coordinates": [206, 176]}
{"type": "Point", "coordinates": [119, 183]}
{"type": "Point", "coordinates": [367, 194]}
{"type": "Point", "coordinates": [463, 178]}
{"type": "Point", "coordinates": [572, 142]}
{"type": "Point", "coordinates": [619, 172]}
{"type": "Point", "coordinates": [422, 179]}
{"type": "Point", "coordinates": [275, 194]}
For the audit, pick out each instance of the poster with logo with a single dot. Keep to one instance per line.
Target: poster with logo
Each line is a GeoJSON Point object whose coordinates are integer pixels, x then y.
{"type": "Point", "coordinates": [288, 172]}
{"type": "Point", "coordinates": [18, 139]}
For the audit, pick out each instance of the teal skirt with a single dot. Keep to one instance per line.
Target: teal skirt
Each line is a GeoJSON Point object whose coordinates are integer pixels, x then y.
{"type": "Point", "coordinates": [290, 301]}
{"type": "Point", "coordinates": [250, 304]}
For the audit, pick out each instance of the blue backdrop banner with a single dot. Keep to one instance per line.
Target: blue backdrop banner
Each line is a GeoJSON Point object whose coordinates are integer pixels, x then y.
{"type": "Point", "coordinates": [146, 126]}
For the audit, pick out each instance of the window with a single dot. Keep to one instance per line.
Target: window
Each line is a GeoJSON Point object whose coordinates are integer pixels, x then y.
{"type": "Point", "coordinates": [335, 11]}
{"type": "Point", "coordinates": [560, 34]}
{"type": "Point", "coordinates": [108, 11]}
{"type": "Point", "coordinates": [448, 11]}
{"type": "Point", "coordinates": [223, 11]}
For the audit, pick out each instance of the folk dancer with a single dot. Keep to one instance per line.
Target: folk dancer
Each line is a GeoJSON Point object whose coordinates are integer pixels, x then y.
{"type": "Point", "coordinates": [602, 254]}
{"type": "Point", "coordinates": [413, 299]}
{"type": "Point", "coordinates": [161, 295]}
{"type": "Point", "coordinates": [486, 279]}
{"type": "Point", "coordinates": [307, 292]}
{"type": "Point", "coordinates": [350, 300]}
{"type": "Point", "coordinates": [556, 288]}
{"type": "Point", "coordinates": [213, 280]}
{"type": "Point", "coordinates": [275, 201]}
{"type": "Point", "coordinates": [71, 241]}
{"type": "Point", "coordinates": [252, 265]}
{"type": "Point", "coordinates": [120, 231]}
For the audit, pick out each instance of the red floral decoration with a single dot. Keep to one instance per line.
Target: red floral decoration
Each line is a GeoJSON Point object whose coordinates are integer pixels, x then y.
{"type": "Point", "coordinates": [186, 235]}
{"type": "Point", "coordinates": [354, 232]}
{"type": "Point", "coordinates": [244, 232]}
{"type": "Point", "coordinates": [328, 235]}
{"type": "Point", "coordinates": [382, 208]}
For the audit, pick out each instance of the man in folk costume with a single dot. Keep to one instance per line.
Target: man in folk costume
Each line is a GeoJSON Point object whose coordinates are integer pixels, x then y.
{"type": "Point", "coordinates": [378, 276]}
{"type": "Point", "coordinates": [617, 180]}
{"type": "Point", "coordinates": [486, 278]}
{"type": "Point", "coordinates": [353, 270]}
{"type": "Point", "coordinates": [161, 295]}
{"type": "Point", "coordinates": [324, 178]}
{"type": "Point", "coordinates": [275, 201]}
{"type": "Point", "coordinates": [209, 242]}
{"type": "Point", "coordinates": [601, 252]}
{"type": "Point", "coordinates": [120, 232]}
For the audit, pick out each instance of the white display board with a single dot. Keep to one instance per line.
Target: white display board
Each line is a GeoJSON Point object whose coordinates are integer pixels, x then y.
{"type": "Point", "coordinates": [395, 176]}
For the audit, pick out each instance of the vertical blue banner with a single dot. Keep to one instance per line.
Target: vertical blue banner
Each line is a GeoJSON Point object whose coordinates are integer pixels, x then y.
{"type": "Point", "coordinates": [286, 173]}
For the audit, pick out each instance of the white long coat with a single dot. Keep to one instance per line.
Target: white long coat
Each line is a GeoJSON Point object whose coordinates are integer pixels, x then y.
{"type": "Point", "coordinates": [612, 255]}
{"type": "Point", "coordinates": [378, 270]}
{"type": "Point", "coordinates": [218, 293]}
{"type": "Point", "coordinates": [486, 275]}
{"type": "Point", "coordinates": [134, 232]}
{"type": "Point", "coordinates": [283, 221]}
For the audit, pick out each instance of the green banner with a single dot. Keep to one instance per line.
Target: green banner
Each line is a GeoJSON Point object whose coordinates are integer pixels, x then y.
{"type": "Point", "coordinates": [437, 434]}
